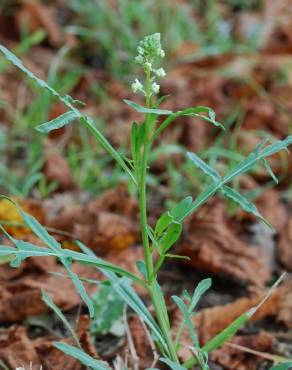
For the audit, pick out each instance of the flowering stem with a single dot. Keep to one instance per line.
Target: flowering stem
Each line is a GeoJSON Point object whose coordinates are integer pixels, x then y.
{"type": "Point", "coordinates": [157, 299]}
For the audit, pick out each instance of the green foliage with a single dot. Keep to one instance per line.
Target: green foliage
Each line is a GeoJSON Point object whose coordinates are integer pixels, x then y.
{"type": "Point", "coordinates": [157, 242]}
{"type": "Point", "coordinates": [284, 366]}
{"type": "Point", "coordinates": [49, 302]}
{"type": "Point", "coordinates": [108, 312]}
{"type": "Point", "coordinates": [81, 356]}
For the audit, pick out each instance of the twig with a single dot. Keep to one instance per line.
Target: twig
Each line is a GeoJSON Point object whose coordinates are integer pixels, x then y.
{"type": "Point", "coordinates": [134, 356]}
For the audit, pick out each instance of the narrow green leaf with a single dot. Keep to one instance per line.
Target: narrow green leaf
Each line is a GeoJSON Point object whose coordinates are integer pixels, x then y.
{"type": "Point", "coordinates": [199, 163]}
{"type": "Point", "coordinates": [232, 328]}
{"type": "Point", "coordinates": [58, 122]}
{"type": "Point", "coordinates": [162, 223]}
{"type": "Point", "coordinates": [126, 292]}
{"type": "Point", "coordinates": [244, 203]}
{"type": "Point", "coordinates": [178, 211]}
{"type": "Point", "coordinates": [193, 112]}
{"type": "Point", "coordinates": [140, 109]}
{"type": "Point", "coordinates": [44, 236]}
{"type": "Point", "coordinates": [89, 124]}
{"type": "Point", "coordinates": [200, 289]}
{"type": "Point", "coordinates": [49, 302]}
{"type": "Point", "coordinates": [284, 366]}
{"type": "Point", "coordinates": [270, 171]}
{"type": "Point", "coordinates": [171, 235]}
{"type": "Point", "coordinates": [81, 356]}
{"type": "Point", "coordinates": [173, 365]}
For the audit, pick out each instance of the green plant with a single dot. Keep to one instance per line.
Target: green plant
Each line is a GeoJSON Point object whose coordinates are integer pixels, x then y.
{"type": "Point", "coordinates": [157, 240]}
{"type": "Point", "coordinates": [25, 152]}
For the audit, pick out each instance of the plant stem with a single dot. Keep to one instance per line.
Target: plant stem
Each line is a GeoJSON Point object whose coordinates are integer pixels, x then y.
{"type": "Point", "coordinates": [156, 297]}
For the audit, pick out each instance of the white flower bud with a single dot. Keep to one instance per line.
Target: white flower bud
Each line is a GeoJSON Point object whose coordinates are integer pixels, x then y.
{"type": "Point", "coordinates": [160, 73]}
{"type": "Point", "coordinates": [139, 59]}
{"type": "Point", "coordinates": [137, 86]}
{"type": "Point", "coordinates": [140, 50]}
{"type": "Point", "coordinates": [155, 88]}
{"type": "Point", "coordinates": [148, 66]}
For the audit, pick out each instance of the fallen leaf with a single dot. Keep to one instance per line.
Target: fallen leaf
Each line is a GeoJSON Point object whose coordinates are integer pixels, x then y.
{"type": "Point", "coordinates": [16, 349]}
{"type": "Point", "coordinates": [211, 321]}
{"type": "Point", "coordinates": [35, 16]}
{"type": "Point", "coordinates": [233, 358]}
{"type": "Point", "coordinates": [52, 358]}
{"type": "Point", "coordinates": [284, 314]}
{"type": "Point", "coordinates": [213, 247]}
{"type": "Point", "coordinates": [57, 169]}
{"type": "Point", "coordinates": [284, 246]}
{"type": "Point", "coordinates": [141, 343]}
{"type": "Point", "coordinates": [12, 220]}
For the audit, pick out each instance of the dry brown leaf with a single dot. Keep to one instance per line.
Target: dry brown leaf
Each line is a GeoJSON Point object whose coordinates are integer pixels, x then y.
{"type": "Point", "coordinates": [12, 218]}
{"type": "Point", "coordinates": [213, 247]}
{"type": "Point", "coordinates": [23, 295]}
{"type": "Point", "coordinates": [106, 224]}
{"type": "Point", "coordinates": [36, 15]}
{"type": "Point", "coordinates": [284, 314]}
{"type": "Point", "coordinates": [211, 321]}
{"type": "Point", "coordinates": [284, 246]}
{"type": "Point", "coordinates": [235, 359]}
{"type": "Point", "coordinates": [57, 169]}
{"type": "Point", "coordinates": [52, 358]}
{"type": "Point", "coordinates": [16, 349]}
{"type": "Point", "coordinates": [141, 342]}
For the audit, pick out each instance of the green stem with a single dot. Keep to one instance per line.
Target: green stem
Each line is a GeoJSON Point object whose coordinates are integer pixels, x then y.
{"type": "Point", "coordinates": [156, 297]}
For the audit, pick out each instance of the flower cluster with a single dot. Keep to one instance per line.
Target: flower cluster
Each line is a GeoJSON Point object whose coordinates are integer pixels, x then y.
{"type": "Point", "coordinates": [149, 50]}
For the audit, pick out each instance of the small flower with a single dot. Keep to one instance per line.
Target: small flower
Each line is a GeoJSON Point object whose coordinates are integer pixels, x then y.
{"type": "Point", "coordinates": [155, 88]}
{"type": "Point", "coordinates": [150, 48]}
{"type": "Point", "coordinates": [137, 86]}
{"type": "Point", "coordinates": [139, 59]}
{"type": "Point", "coordinates": [140, 50]}
{"type": "Point", "coordinates": [148, 66]}
{"type": "Point", "coordinates": [160, 73]}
